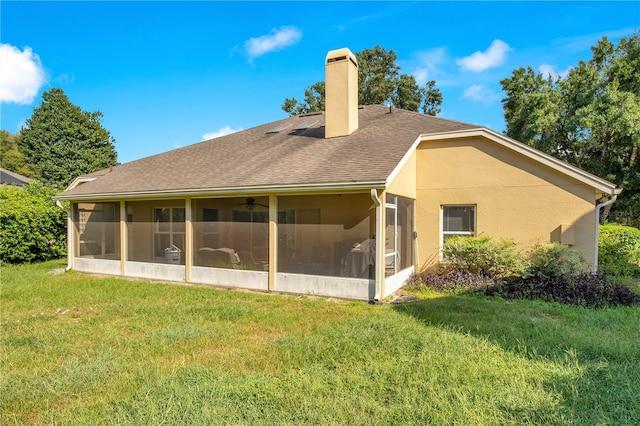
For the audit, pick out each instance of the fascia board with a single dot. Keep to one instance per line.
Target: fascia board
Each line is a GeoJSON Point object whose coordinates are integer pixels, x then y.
{"type": "Point", "coordinates": [403, 161]}
{"type": "Point", "coordinates": [80, 180]}
{"type": "Point", "coordinates": [228, 192]}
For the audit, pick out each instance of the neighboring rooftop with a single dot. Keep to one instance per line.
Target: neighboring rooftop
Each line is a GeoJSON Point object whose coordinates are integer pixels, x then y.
{"type": "Point", "coordinates": [12, 178]}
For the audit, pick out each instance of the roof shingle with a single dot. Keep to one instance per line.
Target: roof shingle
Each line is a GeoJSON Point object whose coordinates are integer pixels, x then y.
{"type": "Point", "coordinates": [255, 158]}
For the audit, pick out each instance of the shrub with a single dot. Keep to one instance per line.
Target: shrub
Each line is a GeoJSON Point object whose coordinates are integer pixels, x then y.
{"type": "Point", "coordinates": [585, 289]}
{"type": "Point", "coordinates": [619, 250]}
{"type": "Point", "coordinates": [452, 281]}
{"type": "Point", "coordinates": [554, 259]}
{"type": "Point", "coordinates": [32, 227]}
{"type": "Point", "coordinates": [484, 256]}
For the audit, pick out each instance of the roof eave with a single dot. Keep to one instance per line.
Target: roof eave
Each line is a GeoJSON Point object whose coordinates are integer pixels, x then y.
{"type": "Point", "coordinates": [226, 192]}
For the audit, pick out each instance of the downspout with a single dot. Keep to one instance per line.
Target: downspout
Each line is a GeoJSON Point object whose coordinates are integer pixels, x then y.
{"type": "Point", "coordinates": [69, 223]}
{"type": "Point", "coordinates": [598, 208]}
{"type": "Point", "coordinates": [379, 247]}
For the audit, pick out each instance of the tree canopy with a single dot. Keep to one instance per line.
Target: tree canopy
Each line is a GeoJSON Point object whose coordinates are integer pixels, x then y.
{"type": "Point", "coordinates": [10, 156]}
{"type": "Point", "coordinates": [589, 118]}
{"type": "Point", "coordinates": [61, 141]}
{"type": "Point", "coordinates": [379, 81]}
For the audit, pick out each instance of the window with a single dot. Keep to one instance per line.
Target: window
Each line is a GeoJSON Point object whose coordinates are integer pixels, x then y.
{"type": "Point", "coordinates": [458, 221]}
{"type": "Point", "coordinates": [168, 229]}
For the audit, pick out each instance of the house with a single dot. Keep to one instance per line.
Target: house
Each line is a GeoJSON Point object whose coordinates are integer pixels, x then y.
{"type": "Point", "coordinates": [12, 178]}
{"type": "Point", "coordinates": [348, 202]}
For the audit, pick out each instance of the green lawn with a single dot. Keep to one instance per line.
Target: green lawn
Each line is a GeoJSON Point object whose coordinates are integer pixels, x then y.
{"type": "Point", "coordinates": [80, 349]}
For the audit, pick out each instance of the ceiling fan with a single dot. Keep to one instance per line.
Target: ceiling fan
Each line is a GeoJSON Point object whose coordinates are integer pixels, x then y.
{"type": "Point", "coordinates": [250, 204]}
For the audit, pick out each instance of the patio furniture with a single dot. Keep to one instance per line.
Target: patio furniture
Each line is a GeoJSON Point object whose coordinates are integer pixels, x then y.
{"type": "Point", "coordinates": [221, 257]}
{"type": "Point", "coordinates": [359, 259]}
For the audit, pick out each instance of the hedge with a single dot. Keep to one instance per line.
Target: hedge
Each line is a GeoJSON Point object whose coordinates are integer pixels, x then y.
{"type": "Point", "coordinates": [32, 226]}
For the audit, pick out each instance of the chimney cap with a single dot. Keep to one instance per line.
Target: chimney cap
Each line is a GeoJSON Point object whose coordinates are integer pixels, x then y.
{"type": "Point", "coordinates": [341, 55]}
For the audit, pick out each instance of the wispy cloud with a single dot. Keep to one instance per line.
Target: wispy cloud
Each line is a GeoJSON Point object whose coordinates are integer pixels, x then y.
{"type": "Point", "coordinates": [495, 55]}
{"type": "Point", "coordinates": [480, 93]}
{"type": "Point", "coordinates": [549, 71]}
{"type": "Point", "coordinates": [65, 78]}
{"type": "Point", "coordinates": [21, 75]}
{"type": "Point", "coordinates": [584, 42]}
{"type": "Point", "coordinates": [277, 40]}
{"type": "Point", "coordinates": [429, 64]}
{"type": "Point", "coordinates": [223, 131]}
{"type": "Point", "coordinates": [343, 27]}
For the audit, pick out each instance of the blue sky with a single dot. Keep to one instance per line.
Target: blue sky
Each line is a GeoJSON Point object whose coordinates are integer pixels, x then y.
{"type": "Point", "coordinates": [169, 74]}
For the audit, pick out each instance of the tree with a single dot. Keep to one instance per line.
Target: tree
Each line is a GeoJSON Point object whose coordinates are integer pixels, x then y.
{"type": "Point", "coordinates": [313, 100]}
{"type": "Point", "coordinates": [379, 81]}
{"type": "Point", "coordinates": [432, 99]}
{"type": "Point", "coordinates": [10, 156]}
{"type": "Point", "coordinates": [62, 141]}
{"type": "Point", "coordinates": [590, 118]}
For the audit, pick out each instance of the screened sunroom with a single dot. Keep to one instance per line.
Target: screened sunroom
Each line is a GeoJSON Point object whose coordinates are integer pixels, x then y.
{"type": "Point", "coordinates": [313, 244]}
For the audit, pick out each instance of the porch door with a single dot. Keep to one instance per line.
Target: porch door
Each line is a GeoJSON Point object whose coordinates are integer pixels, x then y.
{"type": "Point", "coordinates": [391, 242]}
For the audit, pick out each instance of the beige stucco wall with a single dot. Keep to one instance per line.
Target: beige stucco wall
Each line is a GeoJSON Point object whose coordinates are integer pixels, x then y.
{"type": "Point", "coordinates": [515, 197]}
{"type": "Point", "coordinates": [404, 183]}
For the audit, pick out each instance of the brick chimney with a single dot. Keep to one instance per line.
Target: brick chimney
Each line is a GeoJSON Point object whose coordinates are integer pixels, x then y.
{"type": "Point", "coordinates": [341, 93]}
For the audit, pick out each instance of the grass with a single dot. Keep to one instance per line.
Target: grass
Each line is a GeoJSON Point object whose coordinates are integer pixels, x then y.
{"type": "Point", "coordinates": [81, 349]}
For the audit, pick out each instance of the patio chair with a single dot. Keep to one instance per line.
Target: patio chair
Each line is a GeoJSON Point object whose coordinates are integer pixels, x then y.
{"type": "Point", "coordinates": [247, 260]}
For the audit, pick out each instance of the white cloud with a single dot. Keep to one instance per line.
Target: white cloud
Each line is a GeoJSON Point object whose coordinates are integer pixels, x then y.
{"type": "Point", "coordinates": [480, 93]}
{"type": "Point", "coordinates": [549, 71]}
{"type": "Point", "coordinates": [429, 63]}
{"type": "Point", "coordinates": [21, 75]}
{"type": "Point", "coordinates": [479, 61]}
{"type": "Point", "coordinates": [223, 131]}
{"type": "Point", "coordinates": [278, 39]}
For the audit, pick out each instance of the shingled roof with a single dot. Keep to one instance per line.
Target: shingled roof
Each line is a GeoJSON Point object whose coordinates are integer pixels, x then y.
{"type": "Point", "coordinates": [12, 178]}
{"type": "Point", "coordinates": [262, 157]}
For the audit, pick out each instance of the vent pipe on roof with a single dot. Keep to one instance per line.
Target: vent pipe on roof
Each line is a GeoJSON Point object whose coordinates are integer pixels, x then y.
{"type": "Point", "coordinates": [341, 93]}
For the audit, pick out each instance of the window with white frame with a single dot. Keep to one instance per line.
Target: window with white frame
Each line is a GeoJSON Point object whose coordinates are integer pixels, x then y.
{"type": "Point", "coordinates": [168, 229]}
{"type": "Point", "coordinates": [458, 221]}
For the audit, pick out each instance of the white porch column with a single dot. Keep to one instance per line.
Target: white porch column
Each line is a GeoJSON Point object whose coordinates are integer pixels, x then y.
{"type": "Point", "coordinates": [71, 236]}
{"type": "Point", "coordinates": [381, 237]}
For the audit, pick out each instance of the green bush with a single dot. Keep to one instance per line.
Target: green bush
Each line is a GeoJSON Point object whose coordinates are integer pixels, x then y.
{"type": "Point", "coordinates": [555, 259]}
{"type": "Point", "coordinates": [449, 282]}
{"type": "Point", "coordinates": [32, 227]}
{"type": "Point", "coordinates": [485, 256]}
{"type": "Point", "coordinates": [619, 250]}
